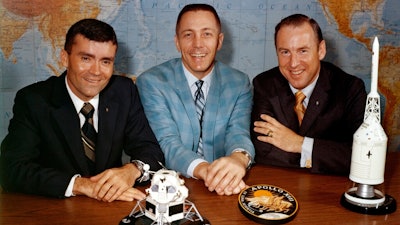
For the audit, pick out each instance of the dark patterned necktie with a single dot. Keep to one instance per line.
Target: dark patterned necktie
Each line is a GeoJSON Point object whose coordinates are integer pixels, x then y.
{"type": "Point", "coordinates": [200, 103]}
{"type": "Point", "coordinates": [88, 133]}
{"type": "Point", "coordinates": [299, 107]}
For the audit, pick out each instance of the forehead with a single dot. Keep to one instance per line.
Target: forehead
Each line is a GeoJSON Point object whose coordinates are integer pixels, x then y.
{"type": "Point", "coordinates": [84, 45]}
{"type": "Point", "coordinates": [197, 20]}
{"type": "Point", "coordinates": [296, 35]}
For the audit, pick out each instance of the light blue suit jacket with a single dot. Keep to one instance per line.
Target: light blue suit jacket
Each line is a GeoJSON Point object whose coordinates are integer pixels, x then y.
{"type": "Point", "coordinates": [170, 109]}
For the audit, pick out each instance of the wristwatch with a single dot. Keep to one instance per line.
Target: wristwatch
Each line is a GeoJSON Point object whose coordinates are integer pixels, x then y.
{"type": "Point", "coordinates": [144, 170]}
{"type": "Point", "coordinates": [247, 155]}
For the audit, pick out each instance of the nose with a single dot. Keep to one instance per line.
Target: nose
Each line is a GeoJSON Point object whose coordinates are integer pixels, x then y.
{"type": "Point", "coordinates": [294, 60]}
{"type": "Point", "coordinates": [95, 68]}
{"type": "Point", "coordinates": [197, 41]}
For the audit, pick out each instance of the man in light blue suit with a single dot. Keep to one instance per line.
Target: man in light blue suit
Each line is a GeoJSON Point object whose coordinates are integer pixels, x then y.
{"type": "Point", "coordinates": [215, 144]}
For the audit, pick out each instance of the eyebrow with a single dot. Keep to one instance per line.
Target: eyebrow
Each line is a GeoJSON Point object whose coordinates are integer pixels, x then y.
{"type": "Point", "coordinates": [93, 56]}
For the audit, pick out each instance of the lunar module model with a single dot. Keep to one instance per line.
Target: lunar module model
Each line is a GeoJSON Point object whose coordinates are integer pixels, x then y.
{"type": "Point", "coordinates": [369, 156]}
{"type": "Point", "coordinates": [166, 203]}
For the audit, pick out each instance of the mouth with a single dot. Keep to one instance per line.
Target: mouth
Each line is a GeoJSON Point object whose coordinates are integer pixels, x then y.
{"type": "Point", "coordinates": [198, 55]}
{"type": "Point", "coordinates": [92, 81]}
{"type": "Point", "coordinates": [296, 72]}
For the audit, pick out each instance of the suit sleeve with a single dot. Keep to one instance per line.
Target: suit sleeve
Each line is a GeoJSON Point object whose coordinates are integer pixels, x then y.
{"type": "Point", "coordinates": [237, 133]}
{"type": "Point", "coordinates": [20, 166]}
{"type": "Point", "coordinates": [264, 91]}
{"type": "Point", "coordinates": [157, 105]}
{"type": "Point", "coordinates": [141, 143]}
{"type": "Point", "coordinates": [333, 154]}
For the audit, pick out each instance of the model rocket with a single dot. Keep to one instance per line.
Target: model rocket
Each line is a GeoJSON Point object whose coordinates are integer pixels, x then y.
{"type": "Point", "coordinates": [368, 157]}
{"type": "Point", "coordinates": [370, 141]}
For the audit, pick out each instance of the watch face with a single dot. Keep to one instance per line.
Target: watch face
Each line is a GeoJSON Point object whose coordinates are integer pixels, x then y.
{"type": "Point", "coordinates": [267, 204]}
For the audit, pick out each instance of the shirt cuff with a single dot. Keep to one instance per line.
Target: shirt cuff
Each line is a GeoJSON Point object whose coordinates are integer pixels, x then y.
{"type": "Point", "coordinates": [68, 192]}
{"type": "Point", "coordinates": [306, 152]}
{"type": "Point", "coordinates": [193, 165]}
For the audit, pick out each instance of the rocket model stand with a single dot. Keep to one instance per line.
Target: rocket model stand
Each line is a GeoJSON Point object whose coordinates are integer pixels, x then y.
{"type": "Point", "coordinates": [369, 156]}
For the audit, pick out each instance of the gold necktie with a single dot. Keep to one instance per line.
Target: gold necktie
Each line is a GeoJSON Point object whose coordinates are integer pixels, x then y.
{"type": "Point", "coordinates": [299, 107]}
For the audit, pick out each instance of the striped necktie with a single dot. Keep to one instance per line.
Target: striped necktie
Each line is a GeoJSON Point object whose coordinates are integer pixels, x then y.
{"type": "Point", "coordinates": [299, 107]}
{"type": "Point", "coordinates": [200, 103]}
{"type": "Point", "coordinates": [88, 133]}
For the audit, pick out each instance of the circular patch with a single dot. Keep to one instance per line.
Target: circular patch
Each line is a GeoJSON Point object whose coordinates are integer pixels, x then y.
{"type": "Point", "coordinates": [268, 204]}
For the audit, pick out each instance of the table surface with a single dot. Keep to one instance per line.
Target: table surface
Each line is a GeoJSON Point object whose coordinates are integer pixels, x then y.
{"type": "Point", "coordinates": [318, 197]}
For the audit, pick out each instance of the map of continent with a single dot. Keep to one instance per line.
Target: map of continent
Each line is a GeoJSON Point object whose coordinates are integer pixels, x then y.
{"type": "Point", "coordinates": [32, 34]}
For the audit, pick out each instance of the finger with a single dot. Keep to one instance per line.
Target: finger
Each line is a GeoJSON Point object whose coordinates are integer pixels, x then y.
{"type": "Point", "coordinates": [213, 181]}
{"type": "Point", "coordinates": [260, 124]}
{"type": "Point", "coordinates": [132, 194]}
{"type": "Point", "coordinates": [272, 122]}
{"type": "Point", "coordinates": [100, 180]}
{"type": "Point", "coordinates": [235, 189]}
{"type": "Point", "coordinates": [266, 139]}
{"type": "Point", "coordinates": [105, 188]}
{"type": "Point", "coordinates": [226, 183]}
{"type": "Point", "coordinates": [211, 173]}
{"type": "Point", "coordinates": [112, 194]}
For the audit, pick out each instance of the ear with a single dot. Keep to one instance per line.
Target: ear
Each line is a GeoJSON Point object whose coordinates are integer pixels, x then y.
{"type": "Point", "coordinates": [64, 58]}
{"type": "Point", "coordinates": [178, 47]}
{"type": "Point", "coordinates": [322, 50]}
{"type": "Point", "coordinates": [220, 40]}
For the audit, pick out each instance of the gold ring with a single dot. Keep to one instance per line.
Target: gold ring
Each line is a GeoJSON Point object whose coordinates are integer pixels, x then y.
{"type": "Point", "coordinates": [269, 133]}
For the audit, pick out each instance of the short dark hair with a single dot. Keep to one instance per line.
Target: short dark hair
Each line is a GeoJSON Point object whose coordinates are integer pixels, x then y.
{"type": "Point", "coordinates": [91, 29]}
{"type": "Point", "coordinates": [297, 20]}
{"type": "Point", "coordinates": [197, 7]}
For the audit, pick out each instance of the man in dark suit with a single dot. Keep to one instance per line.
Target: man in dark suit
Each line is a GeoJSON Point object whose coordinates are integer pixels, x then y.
{"type": "Point", "coordinates": [43, 152]}
{"type": "Point", "coordinates": [320, 135]}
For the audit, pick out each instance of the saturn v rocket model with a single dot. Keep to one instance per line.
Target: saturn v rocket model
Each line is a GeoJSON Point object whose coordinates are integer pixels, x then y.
{"type": "Point", "coordinates": [369, 155]}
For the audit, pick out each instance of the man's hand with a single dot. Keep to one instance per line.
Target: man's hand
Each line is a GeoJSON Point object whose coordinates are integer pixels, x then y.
{"type": "Point", "coordinates": [278, 135]}
{"type": "Point", "coordinates": [225, 175]}
{"type": "Point", "coordinates": [112, 184]}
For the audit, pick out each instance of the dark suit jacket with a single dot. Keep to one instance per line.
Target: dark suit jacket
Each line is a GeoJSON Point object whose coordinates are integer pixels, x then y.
{"type": "Point", "coordinates": [335, 111]}
{"type": "Point", "coordinates": [43, 148]}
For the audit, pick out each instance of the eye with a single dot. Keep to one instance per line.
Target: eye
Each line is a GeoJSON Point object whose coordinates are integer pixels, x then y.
{"type": "Point", "coordinates": [187, 35]}
{"type": "Point", "coordinates": [207, 34]}
{"type": "Point", "coordinates": [107, 62]}
{"type": "Point", "coordinates": [85, 58]}
{"type": "Point", "coordinates": [303, 51]}
{"type": "Point", "coordinates": [284, 52]}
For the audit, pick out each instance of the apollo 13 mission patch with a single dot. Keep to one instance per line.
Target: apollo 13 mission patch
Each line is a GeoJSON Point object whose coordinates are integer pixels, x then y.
{"type": "Point", "coordinates": [267, 204]}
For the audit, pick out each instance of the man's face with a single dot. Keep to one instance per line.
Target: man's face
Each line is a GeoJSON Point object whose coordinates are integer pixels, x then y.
{"type": "Point", "coordinates": [198, 39]}
{"type": "Point", "coordinates": [299, 54]}
{"type": "Point", "coordinates": [89, 66]}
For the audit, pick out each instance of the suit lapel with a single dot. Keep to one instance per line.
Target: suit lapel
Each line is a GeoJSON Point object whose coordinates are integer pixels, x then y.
{"type": "Point", "coordinates": [108, 115]}
{"type": "Point", "coordinates": [211, 112]}
{"type": "Point", "coordinates": [318, 101]}
{"type": "Point", "coordinates": [183, 91]}
{"type": "Point", "coordinates": [67, 120]}
{"type": "Point", "coordinates": [285, 100]}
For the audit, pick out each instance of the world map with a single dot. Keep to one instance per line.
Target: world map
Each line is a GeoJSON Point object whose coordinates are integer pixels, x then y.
{"type": "Point", "coordinates": [32, 33]}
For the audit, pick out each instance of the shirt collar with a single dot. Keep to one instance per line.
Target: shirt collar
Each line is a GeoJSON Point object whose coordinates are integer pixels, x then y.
{"type": "Point", "coordinates": [307, 91]}
{"type": "Point", "coordinates": [191, 79]}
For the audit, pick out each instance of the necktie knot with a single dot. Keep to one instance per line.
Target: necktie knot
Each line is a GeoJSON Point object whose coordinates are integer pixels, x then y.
{"type": "Point", "coordinates": [299, 107]}
{"type": "Point", "coordinates": [87, 110]}
{"type": "Point", "coordinates": [199, 85]}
